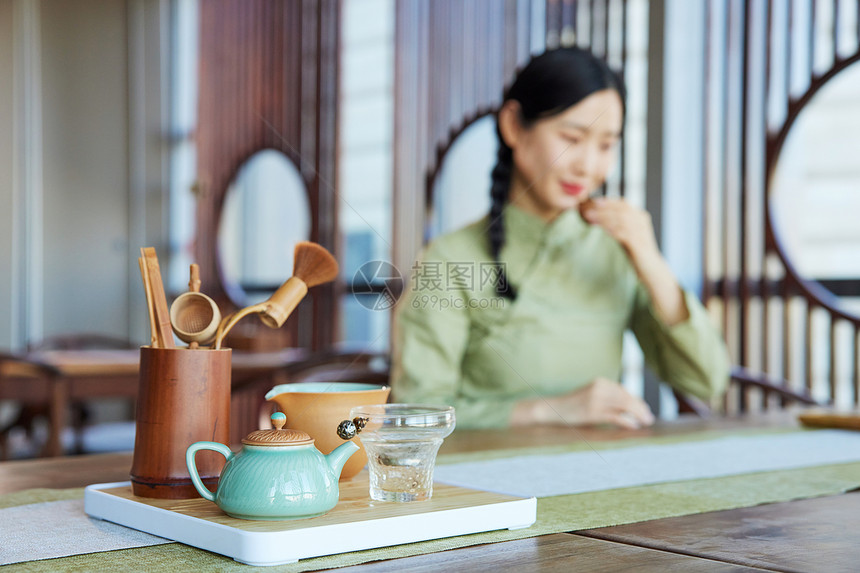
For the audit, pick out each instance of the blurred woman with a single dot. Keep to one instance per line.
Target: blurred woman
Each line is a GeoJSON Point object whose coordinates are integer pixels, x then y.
{"type": "Point", "coordinates": [523, 322]}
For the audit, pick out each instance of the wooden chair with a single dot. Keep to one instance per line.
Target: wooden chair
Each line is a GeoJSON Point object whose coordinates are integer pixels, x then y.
{"type": "Point", "coordinates": [30, 384]}
{"type": "Point", "coordinates": [746, 381]}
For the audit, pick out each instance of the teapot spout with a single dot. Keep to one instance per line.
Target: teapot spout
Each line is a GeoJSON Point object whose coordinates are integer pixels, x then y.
{"type": "Point", "coordinates": [339, 455]}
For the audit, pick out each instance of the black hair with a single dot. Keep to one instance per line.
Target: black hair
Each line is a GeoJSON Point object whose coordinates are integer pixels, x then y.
{"type": "Point", "coordinates": [549, 84]}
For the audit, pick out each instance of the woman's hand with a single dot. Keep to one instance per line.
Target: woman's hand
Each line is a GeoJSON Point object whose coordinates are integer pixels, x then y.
{"type": "Point", "coordinates": [602, 401]}
{"type": "Point", "coordinates": [633, 230]}
{"type": "Point", "coordinates": [630, 226]}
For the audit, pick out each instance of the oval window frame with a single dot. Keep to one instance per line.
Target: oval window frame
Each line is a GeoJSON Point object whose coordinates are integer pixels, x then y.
{"type": "Point", "coordinates": [232, 281]}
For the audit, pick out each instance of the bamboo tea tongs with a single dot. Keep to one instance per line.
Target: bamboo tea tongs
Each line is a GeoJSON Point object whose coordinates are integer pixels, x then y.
{"type": "Point", "coordinates": [156, 301]}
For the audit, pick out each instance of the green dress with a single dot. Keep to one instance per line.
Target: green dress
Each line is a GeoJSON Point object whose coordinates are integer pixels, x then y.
{"type": "Point", "coordinates": [456, 342]}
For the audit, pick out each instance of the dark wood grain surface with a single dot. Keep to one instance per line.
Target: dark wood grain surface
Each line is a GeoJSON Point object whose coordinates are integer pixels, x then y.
{"type": "Point", "coordinates": [560, 553]}
{"type": "Point", "coordinates": [540, 436]}
{"type": "Point", "coordinates": [821, 534]}
{"type": "Point", "coordinates": [64, 472]}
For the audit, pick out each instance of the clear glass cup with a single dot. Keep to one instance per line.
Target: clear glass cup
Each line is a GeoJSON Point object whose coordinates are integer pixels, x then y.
{"type": "Point", "coordinates": [401, 441]}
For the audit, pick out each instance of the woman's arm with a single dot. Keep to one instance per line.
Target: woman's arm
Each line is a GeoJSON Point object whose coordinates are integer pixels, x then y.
{"type": "Point", "coordinates": [691, 356]}
{"type": "Point", "coordinates": [633, 229]}
{"type": "Point", "coordinates": [677, 337]}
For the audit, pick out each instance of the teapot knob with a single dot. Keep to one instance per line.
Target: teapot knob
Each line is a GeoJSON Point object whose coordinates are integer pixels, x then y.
{"type": "Point", "coordinates": [278, 420]}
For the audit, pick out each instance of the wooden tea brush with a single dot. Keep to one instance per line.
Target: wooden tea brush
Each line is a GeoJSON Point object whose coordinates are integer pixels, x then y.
{"type": "Point", "coordinates": [312, 265]}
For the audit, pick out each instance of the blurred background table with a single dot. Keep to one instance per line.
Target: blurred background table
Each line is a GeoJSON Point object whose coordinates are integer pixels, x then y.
{"type": "Point", "coordinates": [80, 375]}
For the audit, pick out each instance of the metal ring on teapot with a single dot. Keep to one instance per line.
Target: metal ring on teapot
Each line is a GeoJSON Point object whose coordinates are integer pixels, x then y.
{"type": "Point", "coordinates": [347, 429]}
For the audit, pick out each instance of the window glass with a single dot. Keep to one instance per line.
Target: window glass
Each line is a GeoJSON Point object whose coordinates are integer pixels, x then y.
{"type": "Point", "coordinates": [266, 212]}
{"type": "Point", "coordinates": [461, 193]}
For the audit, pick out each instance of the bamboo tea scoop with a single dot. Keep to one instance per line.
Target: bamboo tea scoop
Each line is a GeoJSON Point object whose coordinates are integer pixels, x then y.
{"type": "Point", "coordinates": [193, 315]}
{"type": "Point", "coordinates": [313, 265]}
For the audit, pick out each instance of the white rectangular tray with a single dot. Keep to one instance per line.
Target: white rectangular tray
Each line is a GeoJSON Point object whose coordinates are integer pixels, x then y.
{"type": "Point", "coordinates": [356, 523]}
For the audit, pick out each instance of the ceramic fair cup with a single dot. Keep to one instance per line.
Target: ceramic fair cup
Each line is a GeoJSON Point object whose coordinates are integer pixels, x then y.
{"type": "Point", "coordinates": [318, 407]}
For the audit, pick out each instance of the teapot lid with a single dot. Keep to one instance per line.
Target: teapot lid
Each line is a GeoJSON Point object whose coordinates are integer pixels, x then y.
{"type": "Point", "coordinates": [278, 436]}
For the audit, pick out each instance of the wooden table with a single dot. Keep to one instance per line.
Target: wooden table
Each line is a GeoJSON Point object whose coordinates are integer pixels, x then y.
{"type": "Point", "coordinates": [810, 535]}
{"type": "Point", "coordinates": [88, 374]}
{"type": "Point", "coordinates": [819, 534]}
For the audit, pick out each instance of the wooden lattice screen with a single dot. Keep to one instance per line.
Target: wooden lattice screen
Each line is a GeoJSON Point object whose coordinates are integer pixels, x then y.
{"type": "Point", "coordinates": [778, 324]}
{"type": "Point", "coordinates": [268, 80]}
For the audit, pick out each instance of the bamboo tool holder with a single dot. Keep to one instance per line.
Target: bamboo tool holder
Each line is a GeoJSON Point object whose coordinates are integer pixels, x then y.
{"type": "Point", "coordinates": [184, 397]}
{"type": "Point", "coordinates": [164, 332]}
{"type": "Point", "coordinates": [195, 316]}
{"type": "Point", "coordinates": [313, 265]}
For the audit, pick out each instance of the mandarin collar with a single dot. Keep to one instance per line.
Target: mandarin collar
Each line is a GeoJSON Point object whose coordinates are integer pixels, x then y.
{"type": "Point", "coordinates": [525, 226]}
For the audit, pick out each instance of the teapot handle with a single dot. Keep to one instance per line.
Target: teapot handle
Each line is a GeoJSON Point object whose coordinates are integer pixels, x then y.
{"type": "Point", "coordinates": [192, 465]}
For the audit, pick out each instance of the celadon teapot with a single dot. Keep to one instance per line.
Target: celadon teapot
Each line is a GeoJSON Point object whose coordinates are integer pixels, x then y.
{"type": "Point", "coordinates": [278, 474]}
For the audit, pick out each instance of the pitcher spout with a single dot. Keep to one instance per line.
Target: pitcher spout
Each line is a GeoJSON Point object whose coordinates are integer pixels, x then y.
{"type": "Point", "coordinates": [339, 455]}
